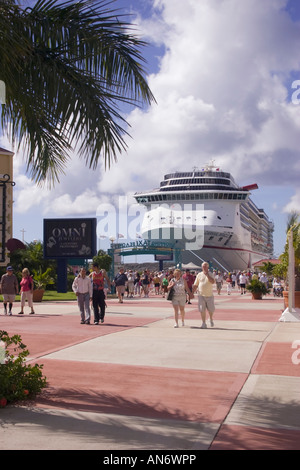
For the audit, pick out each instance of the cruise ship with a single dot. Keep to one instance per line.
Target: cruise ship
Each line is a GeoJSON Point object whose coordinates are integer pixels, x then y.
{"type": "Point", "coordinates": [208, 217]}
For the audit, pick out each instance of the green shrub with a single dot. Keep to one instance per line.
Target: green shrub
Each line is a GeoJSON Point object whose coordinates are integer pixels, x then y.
{"type": "Point", "coordinates": [18, 381]}
{"type": "Point", "coordinates": [257, 287]}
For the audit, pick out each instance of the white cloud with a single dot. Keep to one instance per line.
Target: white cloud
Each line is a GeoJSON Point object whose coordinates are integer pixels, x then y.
{"type": "Point", "coordinates": [294, 204]}
{"type": "Point", "coordinates": [84, 203]}
{"type": "Point", "coordinates": [221, 93]}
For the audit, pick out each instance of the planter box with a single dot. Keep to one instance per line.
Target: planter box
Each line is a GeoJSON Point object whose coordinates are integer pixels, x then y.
{"type": "Point", "coordinates": [286, 298]}
{"type": "Point", "coordinates": [38, 295]}
{"type": "Point", "coordinates": [256, 295]}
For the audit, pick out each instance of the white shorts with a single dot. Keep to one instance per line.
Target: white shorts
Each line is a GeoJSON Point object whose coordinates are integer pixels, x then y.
{"type": "Point", "coordinates": [9, 297]}
{"type": "Point", "coordinates": [179, 300]}
{"type": "Point", "coordinates": [206, 303]}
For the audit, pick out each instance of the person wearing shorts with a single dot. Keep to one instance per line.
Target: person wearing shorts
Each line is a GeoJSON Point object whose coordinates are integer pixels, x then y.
{"type": "Point", "coordinates": [9, 289]}
{"type": "Point", "coordinates": [179, 299]}
{"type": "Point", "coordinates": [204, 285]}
{"type": "Point", "coordinates": [120, 281]}
{"type": "Point", "coordinates": [243, 282]}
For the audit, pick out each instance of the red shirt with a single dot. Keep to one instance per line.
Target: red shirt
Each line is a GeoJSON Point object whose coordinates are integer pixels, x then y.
{"type": "Point", "coordinates": [26, 284]}
{"type": "Point", "coordinates": [98, 280]}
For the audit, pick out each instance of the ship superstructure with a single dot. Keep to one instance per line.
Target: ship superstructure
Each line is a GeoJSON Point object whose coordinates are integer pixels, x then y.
{"type": "Point", "coordinates": [210, 217]}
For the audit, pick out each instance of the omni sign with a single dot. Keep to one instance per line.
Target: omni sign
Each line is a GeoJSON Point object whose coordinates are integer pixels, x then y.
{"type": "Point", "coordinates": [69, 238]}
{"type": "Point", "coordinates": [69, 233]}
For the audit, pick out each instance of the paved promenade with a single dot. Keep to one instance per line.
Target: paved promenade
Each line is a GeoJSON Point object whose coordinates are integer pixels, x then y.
{"type": "Point", "coordinates": [136, 383]}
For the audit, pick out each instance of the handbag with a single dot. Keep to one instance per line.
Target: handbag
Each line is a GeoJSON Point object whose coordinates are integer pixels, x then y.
{"type": "Point", "coordinates": [171, 294]}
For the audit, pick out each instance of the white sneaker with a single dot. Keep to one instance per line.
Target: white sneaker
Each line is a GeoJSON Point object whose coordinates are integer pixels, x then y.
{"type": "Point", "coordinates": [183, 323]}
{"type": "Point", "coordinates": [212, 323]}
{"type": "Point", "coordinates": [203, 326]}
{"type": "Point", "coordinates": [176, 325]}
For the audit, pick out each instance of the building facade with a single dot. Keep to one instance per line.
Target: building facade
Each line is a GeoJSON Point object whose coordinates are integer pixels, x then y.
{"type": "Point", "coordinates": [6, 201]}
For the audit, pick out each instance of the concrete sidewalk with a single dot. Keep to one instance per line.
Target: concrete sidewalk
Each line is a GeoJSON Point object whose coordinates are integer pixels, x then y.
{"type": "Point", "coordinates": [137, 383]}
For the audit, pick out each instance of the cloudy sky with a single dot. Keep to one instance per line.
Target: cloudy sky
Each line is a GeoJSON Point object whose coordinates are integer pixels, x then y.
{"type": "Point", "coordinates": [222, 72]}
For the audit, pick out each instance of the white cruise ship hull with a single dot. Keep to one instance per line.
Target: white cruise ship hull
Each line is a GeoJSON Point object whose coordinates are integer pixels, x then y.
{"type": "Point", "coordinates": [209, 232]}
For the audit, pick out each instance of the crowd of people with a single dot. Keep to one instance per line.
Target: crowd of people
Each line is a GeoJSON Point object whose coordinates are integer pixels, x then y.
{"type": "Point", "coordinates": [240, 279]}
{"type": "Point", "coordinates": [183, 284]}
{"type": "Point", "coordinates": [173, 284]}
{"type": "Point", "coordinates": [93, 288]}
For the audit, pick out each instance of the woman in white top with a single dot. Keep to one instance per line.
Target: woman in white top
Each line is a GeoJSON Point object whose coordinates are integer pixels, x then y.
{"type": "Point", "coordinates": [178, 301]}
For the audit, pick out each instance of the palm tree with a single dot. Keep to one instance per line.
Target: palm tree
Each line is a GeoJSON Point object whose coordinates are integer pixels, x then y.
{"type": "Point", "coordinates": [68, 67]}
{"type": "Point", "coordinates": [292, 220]}
{"type": "Point", "coordinates": [293, 225]}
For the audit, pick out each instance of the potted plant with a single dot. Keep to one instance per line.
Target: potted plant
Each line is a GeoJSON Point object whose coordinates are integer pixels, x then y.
{"type": "Point", "coordinates": [257, 288]}
{"type": "Point", "coordinates": [41, 280]}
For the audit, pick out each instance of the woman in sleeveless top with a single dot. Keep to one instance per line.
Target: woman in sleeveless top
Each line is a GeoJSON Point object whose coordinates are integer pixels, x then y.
{"type": "Point", "coordinates": [179, 299]}
{"type": "Point", "coordinates": [98, 278]}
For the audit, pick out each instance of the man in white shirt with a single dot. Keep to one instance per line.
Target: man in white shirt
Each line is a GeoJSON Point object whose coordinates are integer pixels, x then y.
{"type": "Point", "coordinates": [204, 284]}
{"type": "Point", "coordinates": [243, 282]}
{"type": "Point", "coordinates": [82, 286]}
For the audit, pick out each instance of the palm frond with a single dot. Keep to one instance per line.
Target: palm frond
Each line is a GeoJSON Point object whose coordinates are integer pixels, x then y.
{"type": "Point", "coordinates": [68, 68]}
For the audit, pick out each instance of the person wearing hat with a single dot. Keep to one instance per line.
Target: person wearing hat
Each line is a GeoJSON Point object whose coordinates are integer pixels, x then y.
{"type": "Point", "coordinates": [9, 289]}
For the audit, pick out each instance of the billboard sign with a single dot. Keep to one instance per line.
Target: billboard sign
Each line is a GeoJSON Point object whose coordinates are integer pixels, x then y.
{"type": "Point", "coordinates": [70, 238]}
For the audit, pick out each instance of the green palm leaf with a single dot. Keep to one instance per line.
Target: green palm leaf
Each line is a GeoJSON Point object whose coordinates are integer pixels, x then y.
{"type": "Point", "coordinates": [68, 67]}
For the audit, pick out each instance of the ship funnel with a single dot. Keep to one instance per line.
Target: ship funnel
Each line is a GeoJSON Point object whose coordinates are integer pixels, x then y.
{"type": "Point", "coordinates": [250, 187]}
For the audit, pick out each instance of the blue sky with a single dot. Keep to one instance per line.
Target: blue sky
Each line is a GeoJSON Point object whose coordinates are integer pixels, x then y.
{"type": "Point", "coordinates": [222, 74]}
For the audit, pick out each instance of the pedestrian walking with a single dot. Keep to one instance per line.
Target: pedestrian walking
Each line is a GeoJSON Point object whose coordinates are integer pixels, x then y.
{"type": "Point", "coordinates": [243, 282]}
{"type": "Point", "coordinates": [9, 289]}
{"type": "Point", "coordinates": [219, 282]}
{"type": "Point", "coordinates": [82, 286]}
{"type": "Point", "coordinates": [190, 281]}
{"type": "Point", "coordinates": [26, 285]}
{"type": "Point", "coordinates": [145, 279]}
{"type": "Point", "coordinates": [229, 284]}
{"type": "Point", "coordinates": [120, 281]}
{"type": "Point", "coordinates": [204, 285]}
{"type": "Point", "coordinates": [181, 288]}
{"type": "Point", "coordinates": [98, 277]}
{"type": "Point", "coordinates": [164, 285]}
{"type": "Point", "coordinates": [130, 283]}
{"type": "Point", "coordinates": [137, 284]}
